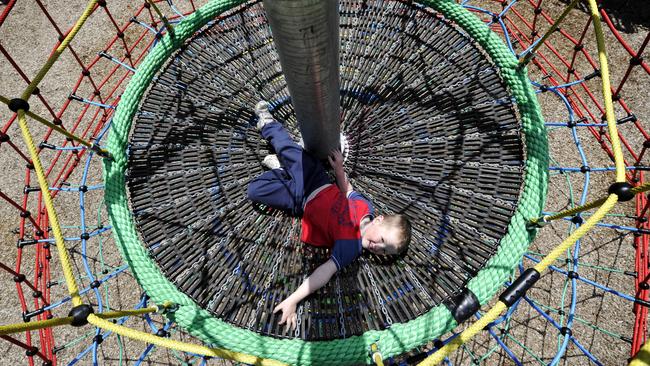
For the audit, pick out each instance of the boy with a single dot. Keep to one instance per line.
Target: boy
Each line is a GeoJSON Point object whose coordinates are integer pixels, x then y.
{"type": "Point", "coordinates": [333, 216]}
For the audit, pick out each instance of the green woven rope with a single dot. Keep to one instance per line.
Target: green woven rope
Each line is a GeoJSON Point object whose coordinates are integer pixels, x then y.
{"type": "Point", "coordinates": [399, 337]}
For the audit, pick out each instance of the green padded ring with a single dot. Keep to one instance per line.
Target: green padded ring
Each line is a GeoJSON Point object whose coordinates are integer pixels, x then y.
{"type": "Point", "coordinates": [354, 350]}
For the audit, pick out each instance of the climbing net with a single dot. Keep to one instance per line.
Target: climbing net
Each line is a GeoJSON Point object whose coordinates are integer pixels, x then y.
{"type": "Point", "coordinates": [573, 315]}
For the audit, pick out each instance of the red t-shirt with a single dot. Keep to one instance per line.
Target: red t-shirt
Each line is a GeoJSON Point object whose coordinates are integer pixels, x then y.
{"type": "Point", "coordinates": [331, 220]}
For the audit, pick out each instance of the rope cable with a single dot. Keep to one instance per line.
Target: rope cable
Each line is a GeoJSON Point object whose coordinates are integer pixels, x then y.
{"type": "Point", "coordinates": [607, 205]}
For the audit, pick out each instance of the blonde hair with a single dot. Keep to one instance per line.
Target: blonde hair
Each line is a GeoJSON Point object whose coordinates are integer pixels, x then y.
{"type": "Point", "coordinates": [403, 226]}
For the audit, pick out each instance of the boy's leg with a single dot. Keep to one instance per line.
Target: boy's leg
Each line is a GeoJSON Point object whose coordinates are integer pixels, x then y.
{"type": "Point", "coordinates": [274, 188]}
{"type": "Point", "coordinates": [290, 155]}
{"type": "Point", "coordinates": [305, 171]}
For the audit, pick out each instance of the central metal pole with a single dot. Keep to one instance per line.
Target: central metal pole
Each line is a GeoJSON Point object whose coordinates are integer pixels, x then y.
{"type": "Point", "coordinates": [306, 35]}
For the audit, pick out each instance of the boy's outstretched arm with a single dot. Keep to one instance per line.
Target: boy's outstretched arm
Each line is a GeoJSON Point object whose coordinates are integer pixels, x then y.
{"type": "Point", "coordinates": [336, 161]}
{"type": "Point", "coordinates": [316, 280]}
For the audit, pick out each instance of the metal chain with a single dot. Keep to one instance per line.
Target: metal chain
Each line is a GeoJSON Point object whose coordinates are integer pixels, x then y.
{"type": "Point", "coordinates": [419, 285]}
{"type": "Point", "coordinates": [375, 289]}
{"type": "Point", "coordinates": [236, 270]}
{"type": "Point", "coordinates": [274, 271]}
{"type": "Point", "coordinates": [296, 332]}
{"type": "Point", "coordinates": [340, 301]}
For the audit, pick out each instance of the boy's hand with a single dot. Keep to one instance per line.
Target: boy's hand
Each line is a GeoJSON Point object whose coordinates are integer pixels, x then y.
{"type": "Point", "coordinates": [289, 316]}
{"type": "Point", "coordinates": [336, 160]}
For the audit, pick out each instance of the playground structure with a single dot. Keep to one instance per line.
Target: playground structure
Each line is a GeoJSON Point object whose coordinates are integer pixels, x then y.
{"type": "Point", "coordinates": [570, 80]}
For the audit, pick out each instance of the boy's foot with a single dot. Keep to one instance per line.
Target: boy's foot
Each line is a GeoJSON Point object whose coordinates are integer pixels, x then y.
{"type": "Point", "coordinates": [263, 114]}
{"type": "Point", "coordinates": [271, 162]}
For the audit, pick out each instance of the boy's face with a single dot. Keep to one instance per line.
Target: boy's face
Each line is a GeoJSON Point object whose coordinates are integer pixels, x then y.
{"type": "Point", "coordinates": [379, 238]}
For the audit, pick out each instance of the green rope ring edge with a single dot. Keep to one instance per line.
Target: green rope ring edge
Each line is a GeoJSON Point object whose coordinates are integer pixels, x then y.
{"type": "Point", "coordinates": [400, 337]}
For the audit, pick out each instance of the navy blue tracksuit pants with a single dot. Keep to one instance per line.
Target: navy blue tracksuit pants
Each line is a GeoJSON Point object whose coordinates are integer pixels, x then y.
{"type": "Point", "coordinates": [288, 187]}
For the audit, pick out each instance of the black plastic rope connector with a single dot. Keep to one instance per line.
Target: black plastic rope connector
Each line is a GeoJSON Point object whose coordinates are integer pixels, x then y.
{"type": "Point", "coordinates": [33, 351]}
{"type": "Point", "coordinates": [629, 118]}
{"type": "Point", "coordinates": [98, 339]}
{"type": "Point", "coordinates": [29, 189]}
{"type": "Point", "coordinates": [46, 145]}
{"type": "Point", "coordinates": [80, 314]}
{"type": "Point", "coordinates": [95, 284]}
{"type": "Point", "coordinates": [72, 96]}
{"type": "Point", "coordinates": [27, 316]}
{"type": "Point", "coordinates": [566, 331]}
{"type": "Point", "coordinates": [17, 104]}
{"type": "Point", "coordinates": [518, 288]}
{"type": "Point", "coordinates": [577, 219]}
{"type": "Point", "coordinates": [646, 144]}
{"type": "Point", "coordinates": [593, 74]}
{"type": "Point", "coordinates": [622, 189]}
{"type": "Point", "coordinates": [19, 278]}
{"type": "Point", "coordinates": [463, 305]}
{"type": "Point", "coordinates": [162, 333]}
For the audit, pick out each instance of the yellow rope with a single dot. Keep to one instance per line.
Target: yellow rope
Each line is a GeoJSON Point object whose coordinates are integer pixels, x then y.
{"type": "Point", "coordinates": [376, 355]}
{"type": "Point", "coordinates": [497, 309]}
{"type": "Point", "coordinates": [162, 17]}
{"type": "Point", "coordinates": [179, 346]}
{"type": "Point", "coordinates": [22, 327]}
{"type": "Point", "coordinates": [54, 220]}
{"type": "Point", "coordinates": [58, 129]}
{"type": "Point", "coordinates": [42, 180]}
{"type": "Point", "coordinates": [63, 254]}
{"type": "Point", "coordinates": [528, 56]}
{"type": "Point", "coordinates": [607, 93]}
{"type": "Point", "coordinates": [121, 313]}
{"type": "Point", "coordinates": [465, 336]}
{"type": "Point", "coordinates": [55, 56]}
{"type": "Point", "coordinates": [99, 321]}
{"type": "Point", "coordinates": [607, 205]}
{"type": "Point", "coordinates": [582, 230]}
{"type": "Point", "coordinates": [638, 189]}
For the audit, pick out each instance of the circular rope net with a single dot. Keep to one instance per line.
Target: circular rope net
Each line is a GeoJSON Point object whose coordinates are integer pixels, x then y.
{"type": "Point", "coordinates": [423, 129]}
{"type": "Point", "coordinates": [563, 73]}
